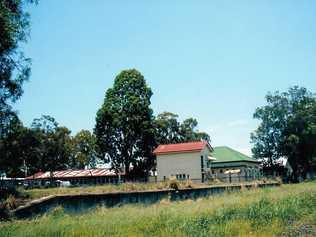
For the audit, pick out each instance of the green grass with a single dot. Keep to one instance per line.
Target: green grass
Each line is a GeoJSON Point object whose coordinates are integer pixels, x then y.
{"type": "Point", "coordinates": [289, 210]}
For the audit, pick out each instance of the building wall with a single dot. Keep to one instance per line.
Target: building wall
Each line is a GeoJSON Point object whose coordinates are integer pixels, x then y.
{"type": "Point", "coordinates": [188, 164]}
{"type": "Point", "coordinates": [248, 171]}
{"type": "Point", "coordinates": [180, 163]}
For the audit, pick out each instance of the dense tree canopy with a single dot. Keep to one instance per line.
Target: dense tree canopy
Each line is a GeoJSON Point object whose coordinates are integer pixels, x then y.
{"type": "Point", "coordinates": [167, 128]}
{"type": "Point", "coordinates": [14, 70]}
{"type": "Point", "coordinates": [44, 146]}
{"type": "Point", "coordinates": [11, 148]}
{"type": "Point", "coordinates": [287, 129]}
{"type": "Point", "coordinates": [124, 128]}
{"type": "Point", "coordinates": [189, 132]}
{"type": "Point", "coordinates": [83, 150]}
{"type": "Point", "coordinates": [170, 130]}
{"type": "Point", "coordinates": [55, 142]}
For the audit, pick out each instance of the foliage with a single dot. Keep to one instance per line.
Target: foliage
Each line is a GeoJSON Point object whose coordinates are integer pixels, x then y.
{"type": "Point", "coordinates": [124, 131]}
{"type": "Point", "coordinates": [174, 184]}
{"type": "Point", "coordinates": [10, 203]}
{"type": "Point", "coordinates": [170, 130]}
{"type": "Point", "coordinates": [83, 152]}
{"type": "Point", "coordinates": [8, 200]}
{"type": "Point", "coordinates": [10, 148]}
{"type": "Point", "coordinates": [167, 128]}
{"type": "Point", "coordinates": [54, 148]}
{"type": "Point", "coordinates": [18, 148]}
{"type": "Point", "coordinates": [14, 67]}
{"type": "Point", "coordinates": [14, 71]}
{"type": "Point", "coordinates": [189, 132]}
{"type": "Point", "coordinates": [266, 212]}
{"type": "Point", "coordinates": [299, 142]}
{"type": "Point", "coordinates": [44, 146]}
{"type": "Point", "coordinates": [287, 129]}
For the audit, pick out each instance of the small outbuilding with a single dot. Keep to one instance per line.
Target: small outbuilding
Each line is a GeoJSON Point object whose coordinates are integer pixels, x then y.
{"type": "Point", "coordinates": [232, 166]}
{"type": "Point", "coordinates": [183, 160]}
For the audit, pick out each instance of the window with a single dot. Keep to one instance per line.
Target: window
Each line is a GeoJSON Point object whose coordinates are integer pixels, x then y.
{"type": "Point", "coordinates": [202, 163]}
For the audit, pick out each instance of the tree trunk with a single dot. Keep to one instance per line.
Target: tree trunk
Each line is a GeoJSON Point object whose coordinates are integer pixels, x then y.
{"type": "Point", "coordinates": [126, 164]}
{"type": "Point", "coordinates": [51, 175]}
{"type": "Point", "coordinates": [295, 175]}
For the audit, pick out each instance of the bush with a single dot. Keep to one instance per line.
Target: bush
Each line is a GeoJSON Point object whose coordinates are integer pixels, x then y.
{"type": "Point", "coordinates": [278, 180]}
{"type": "Point", "coordinates": [10, 202]}
{"type": "Point", "coordinates": [174, 184]}
{"type": "Point", "coordinates": [264, 180]}
{"type": "Point", "coordinates": [162, 185]}
{"type": "Point", "coordinates": [5, 192]}
{"type": "Point", "coordinates": [4, 212]}
{"type": "Point", "coordinates": [57, 212]}
{"type": "Point", "coordinates": [5, 206]}
{"type": "Point", "coordinates": [189, 183]}
{"type": "Point", "coordinates": [213, 181]}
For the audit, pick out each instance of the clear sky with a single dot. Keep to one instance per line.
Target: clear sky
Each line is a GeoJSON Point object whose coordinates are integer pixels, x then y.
{"type": "Point", "coordinates": [211, 60]}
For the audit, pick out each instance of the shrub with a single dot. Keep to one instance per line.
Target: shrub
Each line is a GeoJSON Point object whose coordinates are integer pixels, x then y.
{"type": "Point", "coordinates": [5, 192]}
{"type": "Point", "coordinates": [278, 180]}
{"type": "Point", "coordinates": [162, 185]}
{"type": "Point", "coordinates": [6, 205]}
{"type": "Point", "coordinates": [57, 212]}
{"type": "Point", "coordinates": [189, 183]}
{"type": "Point", "coordinates": [264, 180]}
{"type": "Point", "coordinates": [130, 186]}
{"type": "Point", "coordinates": [213, 181]}
{"type": "Point", "coordinates": [174, 184]}
{"type": "Point", "coordinates": [4, 212]}
{"type": "Point", "coordinates": [10, 203]}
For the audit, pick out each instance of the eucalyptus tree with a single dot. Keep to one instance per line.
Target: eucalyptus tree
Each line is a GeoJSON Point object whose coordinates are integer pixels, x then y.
{"type": "Point", "coordinates": [124, 125]}
{"type": "Point", "coordinates": [14, 66]}
{"type": "Point", "coordinates": [287, 129]}
{"type": "Point", "coordinates": [83, 150]}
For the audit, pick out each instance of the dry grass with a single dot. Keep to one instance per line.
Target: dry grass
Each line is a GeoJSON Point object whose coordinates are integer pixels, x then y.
{"type": "Point", "coordinates": [124, 187]}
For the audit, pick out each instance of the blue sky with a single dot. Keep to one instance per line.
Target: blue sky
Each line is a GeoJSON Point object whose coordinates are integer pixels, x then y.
{"type": "Point", "coordinates": [211, 60]}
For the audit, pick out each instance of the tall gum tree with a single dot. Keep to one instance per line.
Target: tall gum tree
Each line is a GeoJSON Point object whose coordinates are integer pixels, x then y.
{"type": "Point", "coordinates": [287, 129]}
{"type": "Point", "coordinates": [14, 66]}
{"type": "Point", "coordinates": [124, 125]}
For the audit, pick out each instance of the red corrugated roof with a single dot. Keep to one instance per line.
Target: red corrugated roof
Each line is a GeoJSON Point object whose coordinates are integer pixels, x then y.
{"type": "Point", "coordinates": [74, 173]}
{"type": "Point", "coordinates": [181, 147]}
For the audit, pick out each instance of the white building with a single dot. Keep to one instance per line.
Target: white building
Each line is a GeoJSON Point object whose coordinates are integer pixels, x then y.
{"type": "Point", "coordinates": [183, 160]}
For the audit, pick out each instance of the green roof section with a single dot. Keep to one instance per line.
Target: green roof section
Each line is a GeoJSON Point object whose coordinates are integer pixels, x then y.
{"type": "Point", "coordinates": [226, 154]}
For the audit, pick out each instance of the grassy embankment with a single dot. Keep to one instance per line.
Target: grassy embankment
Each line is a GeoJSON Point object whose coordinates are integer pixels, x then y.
{"type": "Point", "coordinates": [289, 210]}
{"type": "Point", "coordinates": [21, 196]}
